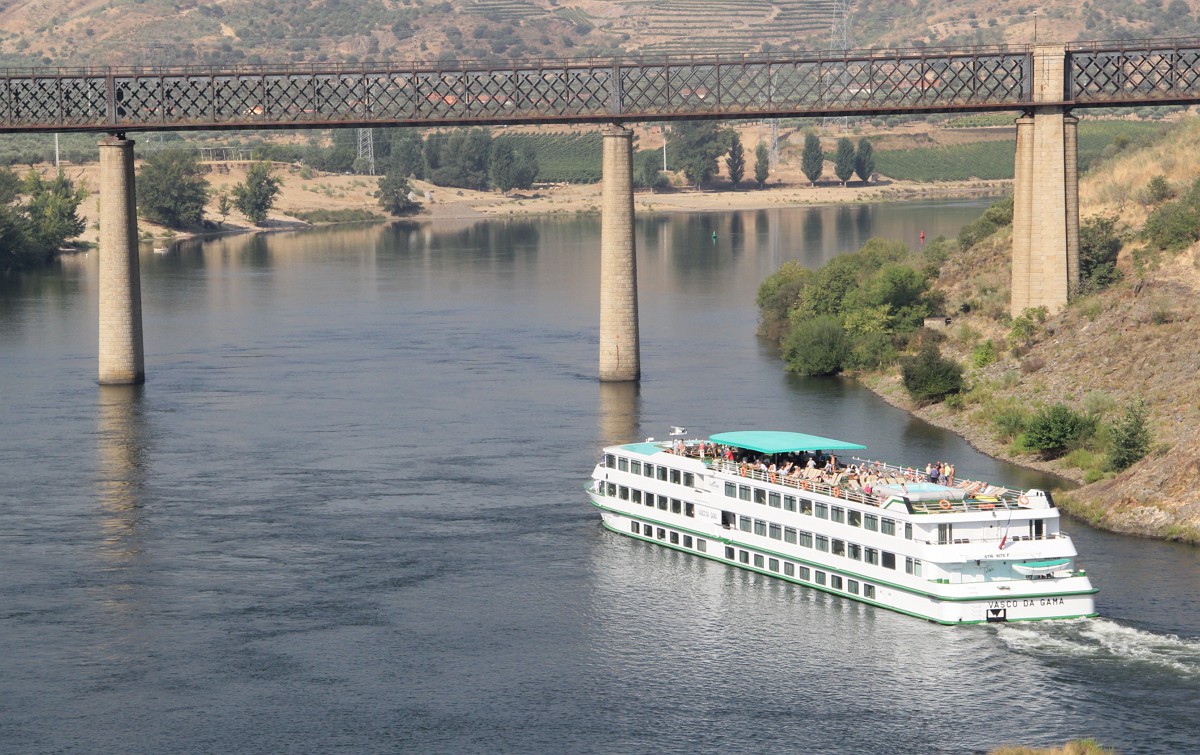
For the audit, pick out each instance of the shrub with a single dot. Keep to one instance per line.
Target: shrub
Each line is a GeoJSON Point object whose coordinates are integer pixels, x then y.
{"type": "Point", "coordinates": [1010, 422]}
{"type": "Point", "coordinates": [817, 346]}
{"type": "Point", "coordinates": [1158, 190]}
{"type": "Point", "coordinates": [1056, 427]}
{"type": "Point", "coordinates": [1098, 248]}
{"type": "Point", "coordinates": [983, 354]}
{"type": "Point", "coordinates": [1130, 438]}
{"type": "Point", "coordinates": [929, 377]}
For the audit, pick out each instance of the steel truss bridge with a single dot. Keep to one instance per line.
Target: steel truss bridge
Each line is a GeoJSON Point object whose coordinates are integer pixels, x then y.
{"type": "Point", "coordinates": [117, 100]}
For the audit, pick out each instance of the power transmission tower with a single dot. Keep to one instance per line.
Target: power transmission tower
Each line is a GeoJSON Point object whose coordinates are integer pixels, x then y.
{"type": "Point", "coordinates": [839, 42]}
{"type": "Point", "coordinates": [366, 149]}
{"type": "Point", "coordinates": [773, 153]}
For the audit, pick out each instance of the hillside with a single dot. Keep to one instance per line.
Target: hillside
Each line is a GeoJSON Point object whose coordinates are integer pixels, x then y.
{"type": "Point", "coordinates": [229, 32]}
{"type": "Point", "coordinates": [1131, 341]}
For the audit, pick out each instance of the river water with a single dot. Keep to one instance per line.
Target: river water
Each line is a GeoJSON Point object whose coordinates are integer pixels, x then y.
{"type": "Point", "coordinates": [346, 514]}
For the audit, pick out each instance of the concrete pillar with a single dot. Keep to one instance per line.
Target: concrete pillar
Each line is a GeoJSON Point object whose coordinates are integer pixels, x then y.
{"type": "Point", "coordinates": [121, 357]}
{"type": "Point", "coordinates": [1045, 193]}
{"type": "Point", "coordinates": [620, 351]}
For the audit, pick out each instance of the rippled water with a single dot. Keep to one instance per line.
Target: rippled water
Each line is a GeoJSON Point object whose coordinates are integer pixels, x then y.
{"type": "Point", "coordinates": [345, 514]}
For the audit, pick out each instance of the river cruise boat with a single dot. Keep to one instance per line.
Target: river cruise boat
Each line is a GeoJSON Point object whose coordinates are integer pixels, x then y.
{"type": "Point", "coordinates": [804, 509]}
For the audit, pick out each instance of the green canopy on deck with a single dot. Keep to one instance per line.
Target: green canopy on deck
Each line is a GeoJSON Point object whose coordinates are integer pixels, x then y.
{"type": "Point", "coordinates": [774, 442]}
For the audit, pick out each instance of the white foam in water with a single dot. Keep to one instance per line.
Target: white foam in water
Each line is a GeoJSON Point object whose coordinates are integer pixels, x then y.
{"type": "Point", "coordinates": [1103, 639]}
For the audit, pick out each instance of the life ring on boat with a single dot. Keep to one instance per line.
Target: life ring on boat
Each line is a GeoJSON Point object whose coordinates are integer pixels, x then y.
{"type": "Point", "coordinates": [988, 506]}
{"type": "Point", "coordinates": [804, 484]}
{"type": "Point", "coordinates": [1023, 500]}
{"type": "Point", "coordinates": [944, 504]}
{"type": "Point", "coordinates": [837, 492]}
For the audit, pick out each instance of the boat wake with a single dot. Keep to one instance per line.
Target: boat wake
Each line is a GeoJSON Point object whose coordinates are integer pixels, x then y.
{"type": "Point", "coordinates": [1102, 639]}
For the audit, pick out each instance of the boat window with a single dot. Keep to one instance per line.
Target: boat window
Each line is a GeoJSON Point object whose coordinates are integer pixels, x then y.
{"type": "Point", "coordinates": [838, 514]}
{"type": "Point", "coordinates": [635, 496]}
{"type": "Point", "coordinates": [623, 464]}
{"type": "Point", "coordinates": [648, 470]}
{"type": "Point", "coordinates": [854, 518]}
{"type": "Point", "coordinates": [611, 489]}
{"type": "Point", "coordinates": [871, 556]}
{"type": "Point", "coordinates": [773, 564]}
{"type": "Point", "coordinates": [773, 500]}
{"type": "Point", "coordinates": [701, 545]}
{"type": "Point", "coordinates": [820, 577]}
{"type": "Point", "coordinates": [852, 586]}
{"type": "Point", "coordinates": [868, 591]}
{"type": "Point", "coordinates": [730, 490]}
{"type": "Point", "coordinates": [635, 528]}
{"type": "Point", "coordinates": [744, 556]}
{"type": "Point", "coordinates": [745, 523]}
{"type": "Point", "coordinates": [775, 531]}
{"type": "Point", "coordinates": [674, 538]}
{"type": "Point", "coordinates": [648, 531]}
{"type": "Point", "coordinates": [789, 535]}
{"type": "Point", "coordinates": [789, 568]}
{"type": "Point", "coordinates": [687, 541]}
{"type": "Point", "coordinates": [806, 539]}
{"type": "Point", "coordinates": [610, 461]}
{"type": "Point", "coordinates": [689, 509]}
{"type": "Point", "coordinates": [623, 493]}
{"type": "Point", "coordinates": [676, 506]}
{"type": "Point", "coordinates": [835, 581]}
{"type": "Point", "coordinates": [908, 530]}
{"type": "Point", "coordinates": [839, 547]}
{"type": "Point", "coordinates": [806, 506]}
{"type": "Point", "coordinates": [912, 566]}
{"type": "Point", "coordinates": [662, 473]}
{"type": "Point", "coordinates": [945, 533]}
{"type": "Point", "coordinates": [758, 561]}
{"type": "Point", "coordinates": [662, 534]}
{"type": "Point", "coordinates": [760, 496]}
{"type": "Point", "coordinates": [889, 560]}
{"type": "Point", "coordinates": [822, 543]}
{"type": "Point", "coordinates": [689, 479]}
{"type": "Point", "coordinates": [854, 551]}
{"type": "Point", "coordinates": [662, 502]}
{"type": "Point", "coordinates": [887, 526]}
{"type": "Point", "coordinates": [804, 572]}
{"type": "Point", "coordinates": [635, 467]}
{"type": "Point", "coordinates": [729, 553]}
{"type": "Point", "coordinates": [675, 476]}
{"type": "Point", "coordinates": [870, 522]}
{"type": "Point", "coordinates": [744, 492]}
{"type": "Point", "coordinates": [789, 503]}
{"type": "Point", "coordinates": [760, 527]}
{"type": "Point", "coordinates": [822, 511]}
{"type": "Point", "coordinates": [650, 500]}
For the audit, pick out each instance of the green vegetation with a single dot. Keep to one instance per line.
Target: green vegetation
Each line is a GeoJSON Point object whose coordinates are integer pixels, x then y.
{"type": "Point", "coordinates": [255, 196]}
{"type": "Point", "coordinates": [509, 170]}
{"type": "Point", "coordinates": [565, 158]}
{"type": "Point", "coordinates": [1130, 438]}
{"type": "Point", "coordinates": [37, 216]}
{"type": "Point", "coordinates": [762, 164]}
{"type": "Point", "coordinates": [735, 162]}
{"type": "Point", "coordinates": [1055, 428]}
{"type": "Point", "coordinates": [843, 160]}
{"type": "Point", "coordinates": [812, 160]}
{"type": "Point", "coordinates": [1175, 225]}
{"type": "Point", "coordinates": [864, 160]}
{"type": "Point", "coordinates": [929, 377]}
{"type": "Point", "coordinates": [1099, 245]}
{"type": "Point", "coordinates": [698, 144]}
{"type": "Point", "coordinates": [395, 195]}
{"type": "Point", "coordinates": [171, 189]}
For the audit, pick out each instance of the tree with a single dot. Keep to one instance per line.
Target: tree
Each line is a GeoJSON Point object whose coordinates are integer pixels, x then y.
{"type": "Point", "coordinates": [816, 347]}
{"type": "Point", "coordinates": [649, 175]}
{"type": "Point", "coordinates": [224, 206]}
{"type": "Point", "coordinates": [1130, 438]}
{"type": "Point", "coordinates": [408, 158]}
{"type": "Point", "coordinates": [394, 194]}
{"type": "Point", "coordinates": [864, 160]}
{"type": "Point", "coordinates": [37, 216]}
{"type": "Point", "coordinates": [929, 377]}
{"type": "Point", "coordinates": [735, 162]}
{"type": "Point", "coordinates": [699, 143]}
{"type": "Point", "coordinates": [762, 164]}
{"type": "Point", "coordinates": [1054, 428]}
{"type": "Point", "coordinates": [843, 160]}
{"type": "Point", "coordinates": [503, 166]}
{"type": "Point", "coordinates": [1098, 248]}
{"type": "Point", "coordinates": [171, 190]}
{"type": "Point", "coordinates": [461, 159]}
{"type": "Point", "coordinates": [812, 160]}
{"type": "Point", "coordinates": [527, 167]}
{"type": "Point", "coordinates": [255, 197]}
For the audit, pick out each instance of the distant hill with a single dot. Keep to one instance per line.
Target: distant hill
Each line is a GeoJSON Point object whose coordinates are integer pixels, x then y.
{"type": "Point", "coordinates": [227, 32]}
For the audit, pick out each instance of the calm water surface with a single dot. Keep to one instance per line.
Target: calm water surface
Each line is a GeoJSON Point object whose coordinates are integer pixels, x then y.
{"type": "Point", "coordinates": [346, 514]}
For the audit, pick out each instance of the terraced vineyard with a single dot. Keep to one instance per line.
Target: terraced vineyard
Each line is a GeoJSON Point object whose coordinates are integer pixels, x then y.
{"type": "Point", "coordinates": [727, 26]}
{"type": "Point", "coordinates": [563, 158]}
{"type": "Point", "coordinates": [504, 10]}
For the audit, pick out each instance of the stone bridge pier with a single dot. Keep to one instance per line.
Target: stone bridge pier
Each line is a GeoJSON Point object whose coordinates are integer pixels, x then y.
{"type": "Point", "coordinates": [122, 361]}
{"type": "Point", "coordinates": [620, 349]}
{"type": "Point", "coordinates": [1045, 261]}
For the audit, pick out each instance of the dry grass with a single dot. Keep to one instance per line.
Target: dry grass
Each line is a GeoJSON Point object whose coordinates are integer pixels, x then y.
{"type": "Point", "coordinates": [1074, 747]}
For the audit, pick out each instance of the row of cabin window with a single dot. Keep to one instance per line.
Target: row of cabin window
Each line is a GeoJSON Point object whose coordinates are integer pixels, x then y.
{"type": "Point", "coordinates": [697, 544]}
{"type": "Point", "coordinates": [798, 571]}
{"type": "Point", "coordinates": [818, 509]}
{"type": "Point", "coordinates": [666, 474]}
{"type": "Point", "coordinates": [674, 505]}
{"type": "Point", "coordinates": [826, 544]}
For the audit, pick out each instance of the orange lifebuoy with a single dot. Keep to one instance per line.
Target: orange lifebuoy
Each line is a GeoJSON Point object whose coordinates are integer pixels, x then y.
{"type": "Point", "coordinates": [804, 484]}
{"type": "Point", "coordinates": [837, 492]}
{"type": "Point", "coordinates": [944, 504]}
{"type": "Point", "coordinates": [988, 506]}
{"type": "Point", "coordinates": [1023, 500]}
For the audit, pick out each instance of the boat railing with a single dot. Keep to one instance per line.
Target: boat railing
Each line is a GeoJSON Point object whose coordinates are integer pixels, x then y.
{"type": "Point", "coordinates": [850, 490]}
